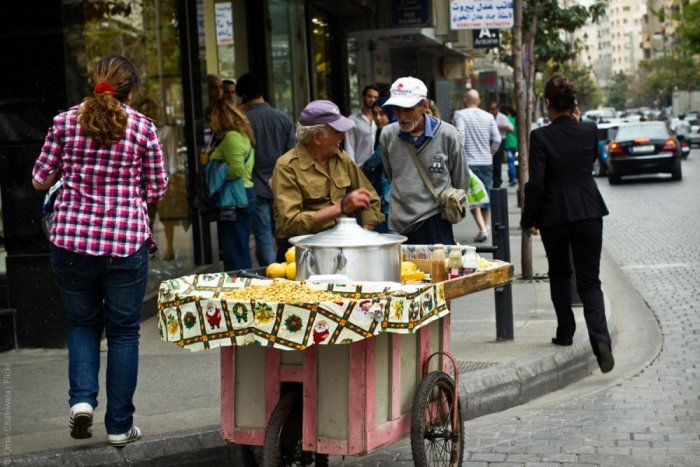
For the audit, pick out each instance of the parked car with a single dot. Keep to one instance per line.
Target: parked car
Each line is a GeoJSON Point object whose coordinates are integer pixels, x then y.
{"type": "Point", "coordinates": [694, 136]}
{"type": "Point", "coordinates": [643, 148]}
{"type": "Point", "coordinates": [604, 114]}
{"type": "Point", "coordinates": [606, 132]}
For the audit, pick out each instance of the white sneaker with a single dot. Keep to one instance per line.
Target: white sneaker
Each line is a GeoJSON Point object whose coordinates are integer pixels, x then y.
{"type": "Point", "coordinates": [133, 434]}
{"type": "Point", "coordinates": [80, 420]}
{"type": "Point", "coordinates": [482, 236]}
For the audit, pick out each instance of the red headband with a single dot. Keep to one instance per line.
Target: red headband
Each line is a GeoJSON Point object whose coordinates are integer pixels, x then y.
{"type": "Point", "coordinates": [104, 86]}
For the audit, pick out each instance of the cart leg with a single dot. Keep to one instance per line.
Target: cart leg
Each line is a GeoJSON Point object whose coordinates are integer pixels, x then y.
{"type": "Point", "coordinates": [435, 437]}
{"type": "Point", "coordinates": [248, 455]}
{"type": "Point", "coordinates": [283, 436]}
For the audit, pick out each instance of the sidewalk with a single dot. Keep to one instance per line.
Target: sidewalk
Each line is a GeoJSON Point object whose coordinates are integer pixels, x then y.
{"type": "Point", "coordinates": [177, 399]}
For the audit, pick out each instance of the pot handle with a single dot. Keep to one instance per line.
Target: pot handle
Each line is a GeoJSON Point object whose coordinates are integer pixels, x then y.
{"type": "Point", "coordinates": [308, 260]}
{"type": "Point", "coordinates": [340, 262]}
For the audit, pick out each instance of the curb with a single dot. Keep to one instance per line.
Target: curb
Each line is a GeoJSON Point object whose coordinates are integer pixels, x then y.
{"type": "Point", "coordinates": [495, 389]}
{"type": "Point", "coordinates": [202, 447]}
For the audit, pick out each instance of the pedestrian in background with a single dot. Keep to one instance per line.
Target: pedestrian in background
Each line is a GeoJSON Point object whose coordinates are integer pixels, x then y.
{"type": "Point", "coordinates": [229, 89]}
{"type": "Point", "coordinates": [433, 109]}
{"type": "Point", "coordinates": [359, 140]}
{"type": "Point", "coordinates": [481, 139]}
{"type": "Point", "coordinates": [274, 134]}
{"type": "Point", "coordinates": [234, 141]}
{"type": "Point", "coordinates": [374, 168]}
{"type": "Point", "coordinates": [109, 160]}
{"type": "Point", "coordinates": [562, 201]}
{"type": "Point", "coordinates": [511, 146]}
{"type": "Point", "coordinates": [413, 210]}
{"type": "Point", "coordinates": [504, 126]}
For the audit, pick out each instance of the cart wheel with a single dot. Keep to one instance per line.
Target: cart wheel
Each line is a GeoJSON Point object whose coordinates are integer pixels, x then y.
{"type": "Point", "coordinates": [434, 439]}
{"type": "Point", "coordinates": [283, 436]}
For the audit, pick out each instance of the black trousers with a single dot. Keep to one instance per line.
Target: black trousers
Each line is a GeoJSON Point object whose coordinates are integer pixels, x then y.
{"type": "Point", "coordinates": [585, 240]}
{"type": "Point", "coordinates": [434, 229]}
{"type": "Point", "coordinates": [497, 163]}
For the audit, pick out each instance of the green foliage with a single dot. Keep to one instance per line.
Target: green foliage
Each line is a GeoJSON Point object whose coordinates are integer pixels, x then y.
{"type": "Point", "coordinates": [552, 20]}
{"type": "Point", "coordinates": [619, 91]}
{"type": "Point", "coordinates": [689, 28]}
{"type": "Point", "coordinates": [588, 93]}
{"type": "Point", "coordinates": [660, 76]}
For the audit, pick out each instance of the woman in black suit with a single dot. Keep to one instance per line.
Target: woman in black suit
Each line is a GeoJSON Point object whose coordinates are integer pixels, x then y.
{"type": "Point", "coordinates": [562, 201]}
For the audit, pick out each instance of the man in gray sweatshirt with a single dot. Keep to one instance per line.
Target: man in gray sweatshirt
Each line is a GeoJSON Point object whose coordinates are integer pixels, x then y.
{"type": "Point", "coordinates": [413, 210]}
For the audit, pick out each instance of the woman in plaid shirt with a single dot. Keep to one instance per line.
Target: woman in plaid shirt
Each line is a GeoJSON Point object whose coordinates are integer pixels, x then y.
{"type": "Point", "coordinates": [110, 162]}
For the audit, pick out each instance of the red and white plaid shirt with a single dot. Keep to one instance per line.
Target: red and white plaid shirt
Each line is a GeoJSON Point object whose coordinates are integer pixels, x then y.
{"type": "Point", "coordinates": [101, 207]}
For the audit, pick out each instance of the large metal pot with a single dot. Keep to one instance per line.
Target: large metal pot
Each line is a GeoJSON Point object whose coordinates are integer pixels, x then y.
{"type": "Point", "coordinates": [349, 250]}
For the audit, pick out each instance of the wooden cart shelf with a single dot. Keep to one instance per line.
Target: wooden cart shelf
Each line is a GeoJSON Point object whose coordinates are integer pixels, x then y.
{"type": "Point", "coordinates": [476, 282]}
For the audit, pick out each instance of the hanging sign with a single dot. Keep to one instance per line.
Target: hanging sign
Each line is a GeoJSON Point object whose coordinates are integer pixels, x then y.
{"type": "Point", "coordinates": [480, 14]}
{"type": "Point", "coordinates": [409, 13]}
{"type": "Point", "coordinates": [485, 38]}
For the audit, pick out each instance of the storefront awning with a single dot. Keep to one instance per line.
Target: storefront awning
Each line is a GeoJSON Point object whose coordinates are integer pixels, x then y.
{"type": "Point", "coordinates": [421, 39]}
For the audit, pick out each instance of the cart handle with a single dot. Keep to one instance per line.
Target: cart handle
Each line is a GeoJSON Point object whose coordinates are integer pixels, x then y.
{"type": "Point", "coordinates": [455, 367]}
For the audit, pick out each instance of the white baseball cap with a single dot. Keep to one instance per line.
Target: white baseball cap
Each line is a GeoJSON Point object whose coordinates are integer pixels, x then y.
{"type": "Point", "coordinates": [407, 92]}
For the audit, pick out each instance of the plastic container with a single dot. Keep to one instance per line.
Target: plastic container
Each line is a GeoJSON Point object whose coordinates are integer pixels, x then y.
{"type": "Point", "coordinates": [437, 263]}
{"type": "Point", "coordinates": [454, 263]}
{"type": "Point", "coordinates": [470, 261]}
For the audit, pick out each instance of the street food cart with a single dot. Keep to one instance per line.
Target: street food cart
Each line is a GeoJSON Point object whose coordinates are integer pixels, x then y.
{"type": "Point", "coordinates": [344, 376]}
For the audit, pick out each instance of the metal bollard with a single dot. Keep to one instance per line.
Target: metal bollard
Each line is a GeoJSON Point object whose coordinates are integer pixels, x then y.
{"type": "Point", "coordinates": [501, 239]}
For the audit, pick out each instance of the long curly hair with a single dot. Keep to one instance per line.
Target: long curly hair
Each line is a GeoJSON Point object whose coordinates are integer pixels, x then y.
{"type": "Point", "coordinates": [226, 117]}
{"type": "Point", "coordinates": [101, 116]}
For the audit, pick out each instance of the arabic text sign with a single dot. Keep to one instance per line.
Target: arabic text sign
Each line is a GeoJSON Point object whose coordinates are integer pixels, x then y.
{"type": "Point", "coordinates": [479, 14]}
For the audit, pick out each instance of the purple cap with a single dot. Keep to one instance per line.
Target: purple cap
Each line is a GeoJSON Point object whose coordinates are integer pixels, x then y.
{"type": "Point", "coordinates": [322, 111]}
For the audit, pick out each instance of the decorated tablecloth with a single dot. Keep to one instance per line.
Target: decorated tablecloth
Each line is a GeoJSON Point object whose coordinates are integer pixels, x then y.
{"type": "Point", "coordinates": [194, 313]}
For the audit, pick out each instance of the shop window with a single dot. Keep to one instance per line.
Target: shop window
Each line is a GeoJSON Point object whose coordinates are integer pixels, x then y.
{"type": "Point", "coordinates": [289, 79]}
{"type": "Point", "coordinates": [321, 52]}
{"type": "Point", "coordinates": [144, 31]}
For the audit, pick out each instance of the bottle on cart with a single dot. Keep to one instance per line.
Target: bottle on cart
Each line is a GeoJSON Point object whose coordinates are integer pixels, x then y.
{"type": "Point", "coordinates": [437, 259]}
{"type": "Point", "coordinates": [454, 262]}
{"type": "Point", "coordinates": [470, 260]}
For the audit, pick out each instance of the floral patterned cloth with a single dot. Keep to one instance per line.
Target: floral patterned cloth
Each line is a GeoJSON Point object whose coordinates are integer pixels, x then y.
{"type": "Point", "coordinates": [193, 314]}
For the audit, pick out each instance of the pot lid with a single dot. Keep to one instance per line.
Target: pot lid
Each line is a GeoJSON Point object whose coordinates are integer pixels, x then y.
{"type": "Point", "coordinates": [347, 233]}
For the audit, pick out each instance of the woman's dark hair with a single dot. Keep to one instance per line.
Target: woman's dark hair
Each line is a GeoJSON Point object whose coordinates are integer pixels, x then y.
{"type": "Point", "coordinates": [102, 117]}
{"type": "Point", "coordinates": [561, 93]}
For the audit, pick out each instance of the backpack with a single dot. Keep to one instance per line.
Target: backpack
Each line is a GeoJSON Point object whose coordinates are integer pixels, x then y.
{"type": "Point", "coordinates": [210, 183]}
{"type": "Point", "coordinates": [217, 198]}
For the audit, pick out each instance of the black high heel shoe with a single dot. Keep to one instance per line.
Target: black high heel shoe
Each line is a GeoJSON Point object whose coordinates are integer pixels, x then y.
{"type": "Point", "coordinates": [562, 342]}
{"type": "Point", "coordinates": [606, 362]}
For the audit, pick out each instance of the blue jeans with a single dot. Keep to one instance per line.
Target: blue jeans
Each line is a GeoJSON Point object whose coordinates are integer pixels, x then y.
{"type": "Point", "coordinates": [103, 293]}
{"type": "Point", "coordinates": [263, 229]}
{"type": "Point", "coordinates": [235, 236]}
{"type": "Point", "coordinates": [512, 174]}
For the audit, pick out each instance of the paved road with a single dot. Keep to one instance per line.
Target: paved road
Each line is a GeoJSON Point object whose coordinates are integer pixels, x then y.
{"type": "Point", "coordinates": [647, 411]}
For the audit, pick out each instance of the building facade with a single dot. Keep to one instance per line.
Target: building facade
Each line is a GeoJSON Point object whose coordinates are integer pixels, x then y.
{"type": "Point", "coordinates": [302, 50]}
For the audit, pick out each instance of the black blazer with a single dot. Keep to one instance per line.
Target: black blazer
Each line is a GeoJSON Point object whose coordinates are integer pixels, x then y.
{"type": "Point", "coordinates": [561, 188]}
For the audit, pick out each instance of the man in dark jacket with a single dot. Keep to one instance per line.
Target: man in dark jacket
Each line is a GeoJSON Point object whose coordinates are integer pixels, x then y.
{"type": "Point", "coordinates": [274, 135]}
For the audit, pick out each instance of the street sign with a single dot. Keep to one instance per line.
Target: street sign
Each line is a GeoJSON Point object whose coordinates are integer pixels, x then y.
{"type": "Point", "coordinates": [479, 14]}
{"type": "Point", "coordinates": [409, 13]}
{"type": "Point", "coordinates": [485, 38]}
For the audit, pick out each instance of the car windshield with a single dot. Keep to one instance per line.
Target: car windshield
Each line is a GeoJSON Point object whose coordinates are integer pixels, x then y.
{"type": "Point", "coordinates": [648, 130]}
